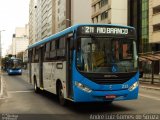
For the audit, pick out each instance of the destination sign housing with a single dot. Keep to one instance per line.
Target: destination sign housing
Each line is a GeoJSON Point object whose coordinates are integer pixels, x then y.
{"type": "Point", "coordinates": [106, 30]}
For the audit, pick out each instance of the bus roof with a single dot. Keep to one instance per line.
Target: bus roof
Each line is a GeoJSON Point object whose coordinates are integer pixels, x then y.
{"type": "Point", "coordinates": [69, 30]}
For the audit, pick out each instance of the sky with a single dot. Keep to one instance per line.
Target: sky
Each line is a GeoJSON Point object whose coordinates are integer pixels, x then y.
{"type": "Point", "coordinates": [13, 13]}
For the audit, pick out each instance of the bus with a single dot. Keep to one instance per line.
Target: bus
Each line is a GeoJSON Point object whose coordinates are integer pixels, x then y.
{"type": "Point", "coordinates": [14, 66]}
{"type": "Point", "coordinates": [87, 63]}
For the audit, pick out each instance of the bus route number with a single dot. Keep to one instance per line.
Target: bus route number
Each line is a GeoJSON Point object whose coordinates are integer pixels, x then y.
{"type": "Point", "coordinates": [89, 29]}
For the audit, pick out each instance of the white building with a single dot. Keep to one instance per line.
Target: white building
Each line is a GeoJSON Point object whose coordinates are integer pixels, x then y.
{"type": "Point", "coordinates": [109, 11]}
{"type": "Point", "coordinates": [70, 12]}
{"type": "Point", "coordinates": [20, 40]}
{"type": "Point", "coordinates": [154, 21]}
{"type": "Point", "coordinates": [32, 21]}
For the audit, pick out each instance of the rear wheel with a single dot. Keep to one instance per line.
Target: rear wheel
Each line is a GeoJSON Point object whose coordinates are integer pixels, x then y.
{"type": "Point", "coordinates": [36, 89]}
{"type": "Point", "coordinates": [61, 98]}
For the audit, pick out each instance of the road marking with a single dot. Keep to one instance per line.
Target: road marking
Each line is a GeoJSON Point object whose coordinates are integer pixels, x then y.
{"type": "Point", "coordinates": [12, 92]}
{"type": "Point", "coordinates": [2, 98]}
{"type": "Point", "coordinates": [151, 97]}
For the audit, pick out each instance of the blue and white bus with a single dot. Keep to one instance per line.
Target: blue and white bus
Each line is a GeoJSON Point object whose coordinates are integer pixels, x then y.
{"type": "Point", "coordinates": [87, 63]}
{"type": "Point", "coordinates": [14, 66]}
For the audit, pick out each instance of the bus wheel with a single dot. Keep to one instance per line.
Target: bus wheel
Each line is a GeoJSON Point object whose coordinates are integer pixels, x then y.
{"type": "Point", "coordinates": [36, 89]}
{"type": "Point", "coordinates": [61, 98]}
{"type": "Point", "coordinates": [109, 102]}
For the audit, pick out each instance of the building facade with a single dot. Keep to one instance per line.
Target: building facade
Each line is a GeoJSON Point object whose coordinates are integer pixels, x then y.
{"type": "Point", "coordinates": [138, 17]}
{"type": "Point", "coordinates": [41, 19]}
{"type": "Point", "coordinates": [154, 21]}
{"type": "Point", "coordinates": [32, 21]}
{"type": "Point", "coordinates": [20, 40]}
{"type": "Point", "coordinates": [70, 12]}
{"type": "Point", "coordinates": [47, 18]}
{"type": "Point", "coordinates": [109, 11]}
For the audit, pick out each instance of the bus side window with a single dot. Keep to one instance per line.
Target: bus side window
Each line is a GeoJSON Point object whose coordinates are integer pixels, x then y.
{"type": "Point", "coordinates": [61, 47]}
{"type": "Point", "coordinates": [30, 54]}
{"type": "Point", "coordinates": [33, 54]}
{"type": "Point", "coordinates": [47, 50]}
{"type": "Point", "coordinates": [53, 52]}
{"type": "Point", "coordinates": [36, 57]}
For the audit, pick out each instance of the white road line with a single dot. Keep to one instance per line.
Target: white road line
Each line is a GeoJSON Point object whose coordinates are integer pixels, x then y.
{"type": "Point", "coordinates": [2, 98]}
{"type": "Point", "coordinates": [151, 97]}
{"type": "Point", "coordinates": [12, 92]}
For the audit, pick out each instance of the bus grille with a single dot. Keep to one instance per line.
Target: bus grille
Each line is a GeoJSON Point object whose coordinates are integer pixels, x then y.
{"type": "Point", "coordinates": [103, 78]}
{"type": "Point", "coordinates": [109, 80]}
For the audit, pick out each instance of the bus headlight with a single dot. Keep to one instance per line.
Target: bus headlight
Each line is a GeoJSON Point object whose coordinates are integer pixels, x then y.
{"type": "Point", "coordinates": [83, 87]}
{"type": "Point", "coordinates": [134, 86]}
{"type": "Point", "coordinates": [20, 71]}
{"type": "Point", "coordinates": [10, 70]}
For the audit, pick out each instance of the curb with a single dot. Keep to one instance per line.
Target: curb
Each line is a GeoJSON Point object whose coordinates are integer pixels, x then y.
{"type": "Point", "coordinates": [147, 87]}
{"type": "Point", "coordinates": [3, 92]}
{"type": "Point", "coordinates": [0, 87]}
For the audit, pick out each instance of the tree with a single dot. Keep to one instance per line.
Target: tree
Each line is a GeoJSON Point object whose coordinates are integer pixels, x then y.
{"type": "Point", "coordinates": [5, 60]}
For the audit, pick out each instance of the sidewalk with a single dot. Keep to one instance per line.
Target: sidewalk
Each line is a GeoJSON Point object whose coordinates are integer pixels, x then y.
{"type": "Point", "coordinates": [148, 85]}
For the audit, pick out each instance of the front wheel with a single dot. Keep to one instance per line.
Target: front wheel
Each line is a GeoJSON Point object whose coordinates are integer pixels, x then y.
{"type": "Point", "coordinates": [61, 98]}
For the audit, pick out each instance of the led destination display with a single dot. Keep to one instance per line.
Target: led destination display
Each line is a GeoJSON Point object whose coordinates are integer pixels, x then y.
{"type": "Point", "coordinates": [110, 30]}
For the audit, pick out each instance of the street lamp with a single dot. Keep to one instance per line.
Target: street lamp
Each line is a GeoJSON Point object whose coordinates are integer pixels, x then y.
{"type": "Point", "coordinates": [1, 50]}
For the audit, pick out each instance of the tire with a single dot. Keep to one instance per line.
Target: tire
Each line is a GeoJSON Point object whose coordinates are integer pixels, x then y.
{"type": "Point", "coordinates": [109, 102]}
{"type": "Point", "coordinates": [61, 98]}
{"type": "Point", "coordinates": [36, 89]}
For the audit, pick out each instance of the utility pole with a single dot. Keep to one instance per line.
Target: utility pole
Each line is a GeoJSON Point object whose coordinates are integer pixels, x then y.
{"type": "Point", "coordinates": [68, 13]}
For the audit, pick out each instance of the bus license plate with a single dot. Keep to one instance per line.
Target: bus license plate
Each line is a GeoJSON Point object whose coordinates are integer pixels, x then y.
{"type": "Point", "coordinates": [110, 96]}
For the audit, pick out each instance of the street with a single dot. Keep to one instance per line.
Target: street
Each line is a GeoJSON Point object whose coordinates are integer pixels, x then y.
{"type": "Point", "coordinates": [20, 98]}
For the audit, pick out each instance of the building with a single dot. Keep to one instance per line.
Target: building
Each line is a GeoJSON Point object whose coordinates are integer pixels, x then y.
{"type": "Point", "coordinates": [70, 12]}
{"type": "Point", "coordinates": [154, 23]}
{"type": "Point", "coordinates": [51, 16]}
{"type": "Point", "coordinates": [20, 40]}
{"type": "Point", "coordinates": [47, 17]}
{"type": "Point", "coordinates": [32, 21]}
{"type": "Point", "coordinates": [109, 11]}
{"type": "Point", "coordinates": [138, 17]}
{"type": "Point", "coordinates": [144, 16]}
{"type": "Point", "coordinates": [41, 19]}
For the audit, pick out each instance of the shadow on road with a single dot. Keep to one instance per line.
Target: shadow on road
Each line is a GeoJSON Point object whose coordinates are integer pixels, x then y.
{"type": "Point", "coordinates": [87, 108]}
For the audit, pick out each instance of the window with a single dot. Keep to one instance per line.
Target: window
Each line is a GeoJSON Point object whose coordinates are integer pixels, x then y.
{"type": "Point", "coordinates": [53, 52]}
{"type": "Point", "coordinates": [61, 48]}
{"type": "Point", "coordinates": [36, 57]}
{"type": "Point", "coordinates": [104, 2]}
{"type": "Point", "coordinates": [30, 53]}
{"type": "Point", "coordinates": [156, 27]}
{"type": "Point", "coordinates": [156, 9]}
{"type": "Point", "coordinates": [47, 50]}
{"type": "Point", "coordinates": [94, 7]}
{"type": "Point", "coordinates": [59, 2]}
{"type": "Point", "coordinates": [104, 15]}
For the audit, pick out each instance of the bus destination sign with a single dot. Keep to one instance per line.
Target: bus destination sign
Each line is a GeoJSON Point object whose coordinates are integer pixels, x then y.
{"type": "Point", "coordinates": [105, 30]}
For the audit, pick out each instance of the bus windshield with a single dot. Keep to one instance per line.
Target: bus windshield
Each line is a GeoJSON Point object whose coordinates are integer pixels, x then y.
{"type": "Point", "coordinates": [15, 64]}
{"type": "Point", "coordinates": [101, 54]}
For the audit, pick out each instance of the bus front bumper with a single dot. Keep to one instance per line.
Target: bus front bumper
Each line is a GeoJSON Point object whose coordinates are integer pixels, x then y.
{"type": "Point", "coordinates": [101, 96]}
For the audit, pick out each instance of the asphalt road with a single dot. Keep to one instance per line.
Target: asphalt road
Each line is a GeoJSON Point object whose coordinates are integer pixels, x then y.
{"type": "Point", "coordinates": [21, 100]}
